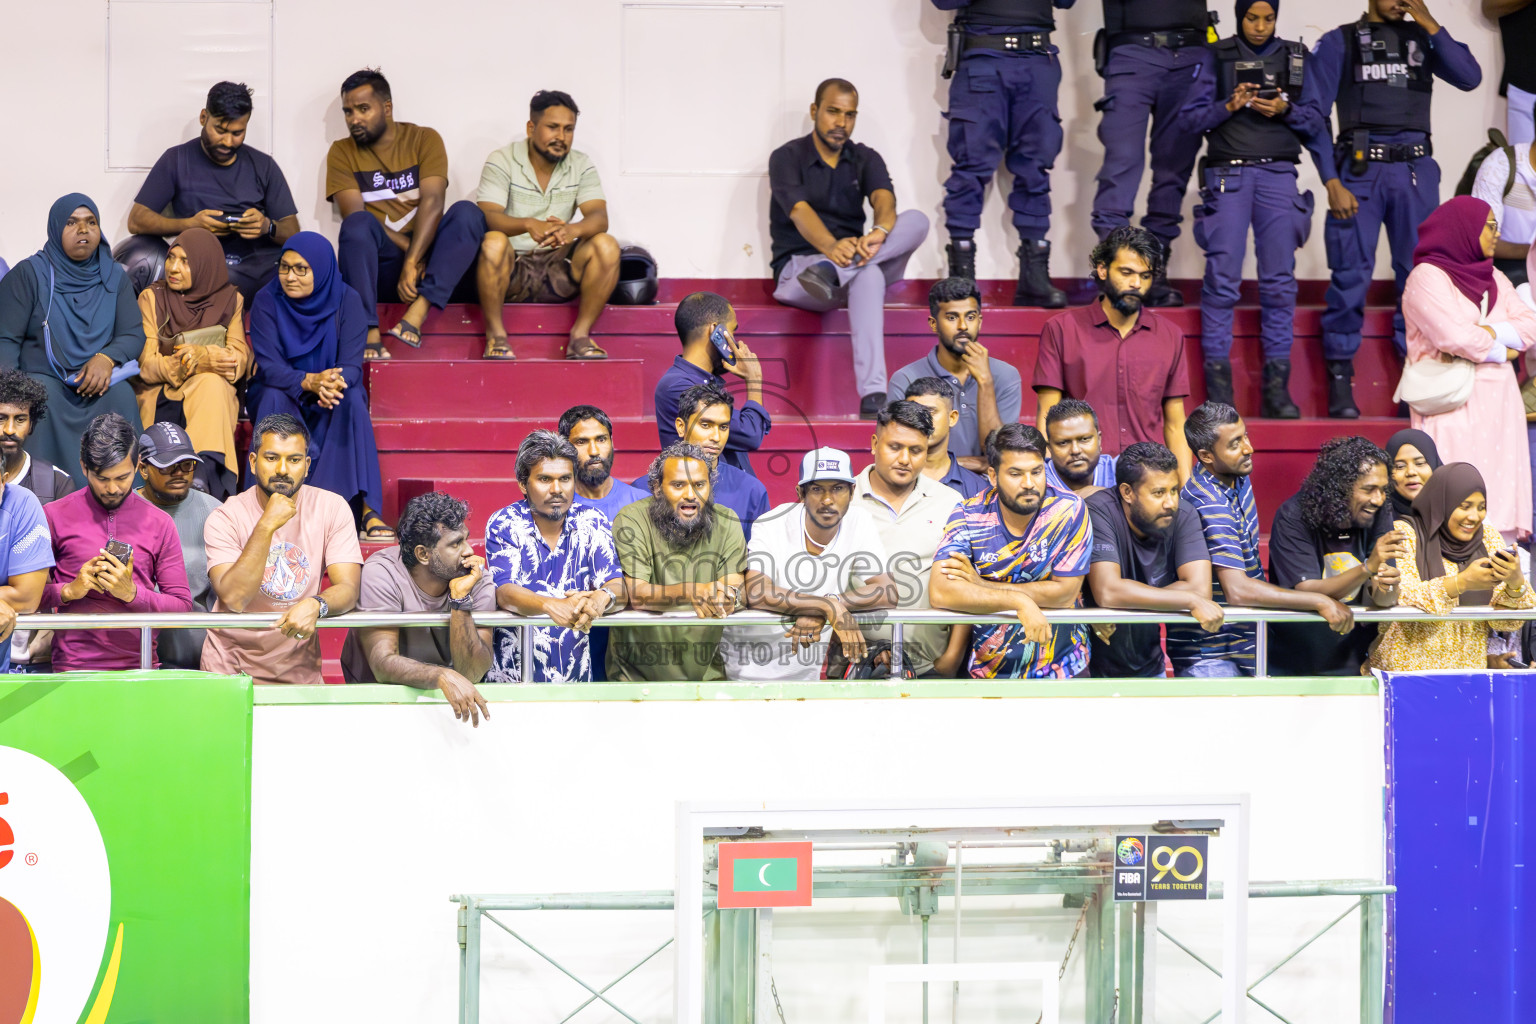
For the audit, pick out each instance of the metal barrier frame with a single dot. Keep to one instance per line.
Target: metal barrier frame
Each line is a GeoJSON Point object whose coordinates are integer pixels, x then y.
{"type": "Point", "coordinates": [146, 622]}
{"type": "Point", "coordinates": [1106, 961]}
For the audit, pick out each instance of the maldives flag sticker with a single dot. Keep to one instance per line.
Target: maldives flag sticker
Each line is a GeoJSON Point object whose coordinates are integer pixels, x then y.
{"type": "Point", "coordinates": [764, 875]}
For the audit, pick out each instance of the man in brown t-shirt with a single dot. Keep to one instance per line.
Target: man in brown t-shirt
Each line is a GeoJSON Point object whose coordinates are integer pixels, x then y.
{"type": "Point", "coordinates": [389, 178]}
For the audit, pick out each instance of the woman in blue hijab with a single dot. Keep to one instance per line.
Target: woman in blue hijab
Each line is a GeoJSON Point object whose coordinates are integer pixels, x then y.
{"type": "Point", "coordinates": [308, 330]}
{"type": "Point", "coordinates": [69, 318]}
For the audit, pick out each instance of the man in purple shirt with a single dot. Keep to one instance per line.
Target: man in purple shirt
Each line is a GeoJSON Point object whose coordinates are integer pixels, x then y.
{"type": "Point", "coordinates": [697, 319]}
{"type": "Point", "coordinates": [1125, 360]}
{"type": "Point", "coordinates": [114, 552]}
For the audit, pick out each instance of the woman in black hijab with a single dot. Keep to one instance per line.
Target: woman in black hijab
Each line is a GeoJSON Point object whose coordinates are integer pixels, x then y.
{"type": "Point", "coordinates": [1411, 459]}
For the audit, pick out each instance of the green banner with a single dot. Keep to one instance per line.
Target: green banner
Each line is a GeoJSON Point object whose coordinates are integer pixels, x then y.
{"type": "Point", "coordinates": [125, 848]}
{"type": "Point", "coordinates": [765, 874]}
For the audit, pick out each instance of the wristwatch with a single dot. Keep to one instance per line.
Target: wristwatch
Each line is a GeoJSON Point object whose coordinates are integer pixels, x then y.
{"type": "Point", "coordinates": [325, 609]}
{"type": "Point", "coordinates": [271, 231]}
{"type": "Point", "coordinates": [462, 604]}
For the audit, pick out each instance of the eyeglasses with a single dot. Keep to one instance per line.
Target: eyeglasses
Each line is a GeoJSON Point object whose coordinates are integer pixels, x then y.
{"type": "Point", "coordinates": [292, 270]}
{"type": "Point", "coordinates": [180, 468]}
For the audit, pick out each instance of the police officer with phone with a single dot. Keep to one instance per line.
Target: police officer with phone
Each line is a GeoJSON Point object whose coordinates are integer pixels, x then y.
{"type": "Point", "coordinates": [1380, 72]}
{"type": "Point", "coordinates": [1248, 104]}
{"type": "Point", "coordinates": [1150, 54]}
{"type": "Point", "coordinates": [1004, 76]}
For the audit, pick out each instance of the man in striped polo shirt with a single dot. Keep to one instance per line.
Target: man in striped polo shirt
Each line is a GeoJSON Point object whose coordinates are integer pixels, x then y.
{"type": "Point", "coordinates": [1222, 496]}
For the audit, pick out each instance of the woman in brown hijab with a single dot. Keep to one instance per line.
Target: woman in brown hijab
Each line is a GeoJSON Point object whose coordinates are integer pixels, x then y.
{"type": "Point", "coordinates": [195, 351]}
{"type": "Point", "coordinates": [1455, 559]}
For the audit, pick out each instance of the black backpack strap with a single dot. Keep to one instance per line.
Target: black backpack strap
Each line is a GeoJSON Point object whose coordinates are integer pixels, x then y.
{"type": "Point", "coordinates": [1496, 138]}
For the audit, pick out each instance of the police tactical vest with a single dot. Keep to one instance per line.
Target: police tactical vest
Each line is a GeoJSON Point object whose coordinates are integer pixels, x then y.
{"type": "Point", "coordinates": [1387, 86]}
{"type": "Point", "coordinates": [1154, 15]}
{"type": "Point", "coordinates": [1038, 15]}
{"type": "Point", "coordinates": [1248, 134]}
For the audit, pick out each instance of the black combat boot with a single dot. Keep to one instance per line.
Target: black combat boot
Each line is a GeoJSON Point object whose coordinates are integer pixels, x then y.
{"type": "Point", "coordinates": [1035, 288]}
{"type": "Point", "coordinates": [1341, 396]}
{"type": "Point", "coordinates": [1277, 391]}
{"type": "Point", "coordinates": [962, 258]}
{"type": "Point", "coordinates": [1162, 294]}
{"type": "Point", "coordinates": [1218, 381]}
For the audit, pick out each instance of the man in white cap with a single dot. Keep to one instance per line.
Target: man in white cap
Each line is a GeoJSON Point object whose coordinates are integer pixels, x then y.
{"type": "Point", "coordinates": [168, 465]}
{"type": "Point", "coordinates": [819, 560]}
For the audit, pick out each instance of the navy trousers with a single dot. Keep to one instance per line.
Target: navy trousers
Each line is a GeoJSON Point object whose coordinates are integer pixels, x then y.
{"type": "Point", "coordinates": [1397, 196]}
{"type": "Point", "coordinates": [371, 263]}
{"type": "Point", "coordinates": [1234, 199]}
{"type": "Point", "coordinates": [1003, 108]}
{"type": "Point", "coordinates": [1144, 83]}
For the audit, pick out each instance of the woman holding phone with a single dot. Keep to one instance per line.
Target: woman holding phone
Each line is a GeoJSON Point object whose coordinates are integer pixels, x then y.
{"type": "Point", "coordinates": [1455, 558]}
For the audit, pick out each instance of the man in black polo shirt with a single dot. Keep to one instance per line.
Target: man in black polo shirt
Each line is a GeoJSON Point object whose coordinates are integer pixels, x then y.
{"type": "Point", "coordinates": [1149, 554]}
{"type": "Point", "coordinates": [823, 259]}
{"type": "Point", "coordinates": [1334, 537]}
{"type": "Point", "coordinates": [216, 181]}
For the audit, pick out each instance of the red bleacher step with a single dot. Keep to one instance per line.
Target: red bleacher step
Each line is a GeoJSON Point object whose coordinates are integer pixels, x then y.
{"type": "Point", "coordinates": [524, 387]}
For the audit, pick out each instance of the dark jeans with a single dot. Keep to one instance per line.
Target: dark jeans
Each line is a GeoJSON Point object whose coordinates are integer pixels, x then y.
{"type": "Point", "coordinates": [371, 263]}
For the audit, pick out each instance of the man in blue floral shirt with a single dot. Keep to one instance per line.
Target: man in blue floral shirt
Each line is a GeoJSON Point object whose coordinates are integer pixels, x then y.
{"type": "Point", "coordinates": [548, 557]}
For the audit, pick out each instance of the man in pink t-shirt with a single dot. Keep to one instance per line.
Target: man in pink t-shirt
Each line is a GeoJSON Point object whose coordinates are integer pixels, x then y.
{"type": "Point", "coordinates": [268, 548]}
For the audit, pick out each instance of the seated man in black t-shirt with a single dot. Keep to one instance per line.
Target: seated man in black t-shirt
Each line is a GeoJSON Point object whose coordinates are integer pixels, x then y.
{"type": "Point", "coordinates": [1334, 537]}
{"type": "Point", "coordinates": [823, 256]}
{"type": "Point", "coordinates": [217, 182]}
{"type": "Point", "coordinates": [1149, 554]}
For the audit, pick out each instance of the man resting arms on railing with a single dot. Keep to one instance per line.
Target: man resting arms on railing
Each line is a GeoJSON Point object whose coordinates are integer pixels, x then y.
{"type": "Point", "coordinates": [268, 548]}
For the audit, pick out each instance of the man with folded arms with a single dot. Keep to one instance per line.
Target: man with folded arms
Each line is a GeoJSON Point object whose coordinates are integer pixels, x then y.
{"type": "Point", "coordinates": [551, 557]}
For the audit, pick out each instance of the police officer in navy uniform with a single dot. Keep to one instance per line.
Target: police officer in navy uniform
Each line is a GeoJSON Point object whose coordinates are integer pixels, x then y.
{"type": "Point", "coordinates": [1002, 106]}
{"type": "Point", "coordinates": [1379, 70]}
{"type": "Point", "coordinates": [1150, 54]}
{"type": "Point", "coordinates": [1249, 106]}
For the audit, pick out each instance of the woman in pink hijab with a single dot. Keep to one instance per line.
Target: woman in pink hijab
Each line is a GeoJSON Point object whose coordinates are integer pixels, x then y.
{"type": "Point", "coordinates": [1457, 305]}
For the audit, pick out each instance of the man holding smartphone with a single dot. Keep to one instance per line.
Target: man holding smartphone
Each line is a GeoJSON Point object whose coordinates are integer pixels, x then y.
{"type": "Point", "coordinates": [114, 551]}
{"type": "Point", "coordinates": [216, 181]}
{"type": "Point", "coordinates": [705, 322]}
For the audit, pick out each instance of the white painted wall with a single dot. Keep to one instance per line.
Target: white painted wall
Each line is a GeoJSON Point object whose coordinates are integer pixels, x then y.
{"type": "Point", "coordinates": [366, 819]}
{"type": "Point", "coordinates": [673, 109]}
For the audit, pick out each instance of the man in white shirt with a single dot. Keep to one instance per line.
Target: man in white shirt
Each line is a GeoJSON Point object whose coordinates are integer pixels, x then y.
{"type": "Point", "coordinates": [819, 560]}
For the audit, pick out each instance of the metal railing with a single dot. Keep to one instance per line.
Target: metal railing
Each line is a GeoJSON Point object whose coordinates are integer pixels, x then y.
{"type": "Point", "coordinates": [146, 622]}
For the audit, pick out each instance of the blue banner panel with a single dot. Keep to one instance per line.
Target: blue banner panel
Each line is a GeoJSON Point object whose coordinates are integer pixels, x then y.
{"type": "Point", "coordinates": [1459, 805]}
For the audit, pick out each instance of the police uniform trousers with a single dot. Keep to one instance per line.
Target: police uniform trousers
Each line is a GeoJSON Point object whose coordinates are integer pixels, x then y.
{"type": "Point", "coordinates": [1142, 83]}
{"type": "Point", "coordinates": [1233, 200]}
{"type": "Point", "coordinates": [1002, 107]}
{"type": "Point", "coordinates": [1397, 196]}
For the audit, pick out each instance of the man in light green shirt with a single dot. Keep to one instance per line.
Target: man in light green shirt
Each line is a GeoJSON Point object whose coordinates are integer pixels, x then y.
{"type": "Point", "coordinates": [534, 250]}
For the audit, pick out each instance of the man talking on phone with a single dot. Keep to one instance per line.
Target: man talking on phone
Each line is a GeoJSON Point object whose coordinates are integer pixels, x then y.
{"type": "Point", "coordinates": [113, 550]}
{"type": "Point", "coordinates": [706, 325]}
{"type": "Point", "coordinates": [435, 569]}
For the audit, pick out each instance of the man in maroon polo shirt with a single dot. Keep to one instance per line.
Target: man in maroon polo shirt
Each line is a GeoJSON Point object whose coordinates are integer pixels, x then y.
{"type": "Point", "coordinates": [1126, 361]}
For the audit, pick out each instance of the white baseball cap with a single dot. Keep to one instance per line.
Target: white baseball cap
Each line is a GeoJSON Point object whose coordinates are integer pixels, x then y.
{"type": "Point", "coordinates": [826, 464]}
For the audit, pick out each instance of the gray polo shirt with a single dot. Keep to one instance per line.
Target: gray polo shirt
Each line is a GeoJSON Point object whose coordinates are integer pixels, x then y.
{"type": "Point", "coordinates": [965, 438]}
